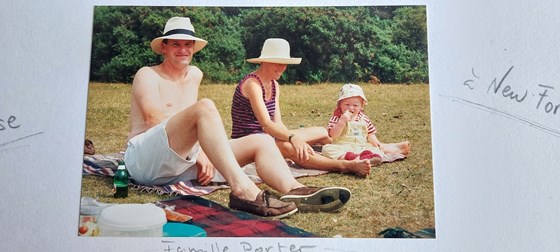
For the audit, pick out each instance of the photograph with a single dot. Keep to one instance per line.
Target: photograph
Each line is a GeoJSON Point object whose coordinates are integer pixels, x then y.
{"type": "Point", "coordinates": [309, 121]}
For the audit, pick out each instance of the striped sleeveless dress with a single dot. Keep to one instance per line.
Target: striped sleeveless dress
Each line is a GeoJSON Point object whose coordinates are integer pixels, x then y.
{"type": "Point", "coordinates": [243, 118]}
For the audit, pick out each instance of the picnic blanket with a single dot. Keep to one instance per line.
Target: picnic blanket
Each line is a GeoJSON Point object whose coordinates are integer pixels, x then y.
{"type": "Point", "coordinates": [220, 221]}
{"type": "Point", "coordinates": [106, 165]}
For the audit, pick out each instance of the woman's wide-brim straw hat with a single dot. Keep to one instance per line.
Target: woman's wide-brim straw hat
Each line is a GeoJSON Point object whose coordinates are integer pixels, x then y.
{"type": "Point", "coordinates": [178, 28]}
{"type": "Point", "coordinates": [351, 90]}
{"type": "Point", "coordinates": [275, 50]}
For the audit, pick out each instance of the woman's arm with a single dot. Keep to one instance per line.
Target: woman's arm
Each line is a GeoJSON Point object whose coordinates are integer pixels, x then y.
{"type": "Point", "coordinates": [277, 129]}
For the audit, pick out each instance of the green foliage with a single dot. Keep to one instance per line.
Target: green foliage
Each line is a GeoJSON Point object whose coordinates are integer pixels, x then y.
{"type": "Point", "coordinates": [121, 37]}
{"type": "Point", "coordinates": [223, 59]}
{"type": "Point", "coordinates": [337, 44]}
{"type": "Point", "coordinates": [405, 59]}
{"type": "Point", "coordinates": [402, 53]}
{"type": "Point", "coordinates": [410, 28]}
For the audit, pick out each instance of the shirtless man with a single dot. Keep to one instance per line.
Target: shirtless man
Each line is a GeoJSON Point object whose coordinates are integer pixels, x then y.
{"type": "Point", "coordinates": [170, 129]}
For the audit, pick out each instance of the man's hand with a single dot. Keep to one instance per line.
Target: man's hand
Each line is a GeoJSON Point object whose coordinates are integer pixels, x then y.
{"type": "Point", "coordinates": [205, 169]}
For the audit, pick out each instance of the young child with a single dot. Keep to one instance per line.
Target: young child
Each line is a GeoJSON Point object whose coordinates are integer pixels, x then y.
{"type": "Point", "coordinates": [353, 133]}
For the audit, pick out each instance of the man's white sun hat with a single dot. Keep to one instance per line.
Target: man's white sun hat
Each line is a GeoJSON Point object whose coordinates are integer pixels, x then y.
{"type": "Point", "coordinates": [178, 28]}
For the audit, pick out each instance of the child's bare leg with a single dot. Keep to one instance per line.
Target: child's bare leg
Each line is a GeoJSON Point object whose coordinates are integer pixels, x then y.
{"type": "Point", "coordinates": [398, 148]}
{"type": "Point", "coordinates": [374, 158]}
{"type": "Point", "coordinates": [374, 161]}
{"type": "Point", "coordinates": [319, 162]}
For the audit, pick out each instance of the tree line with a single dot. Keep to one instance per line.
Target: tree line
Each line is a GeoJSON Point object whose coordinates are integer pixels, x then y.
{"type": "Point", "coordinates": [337, 44]}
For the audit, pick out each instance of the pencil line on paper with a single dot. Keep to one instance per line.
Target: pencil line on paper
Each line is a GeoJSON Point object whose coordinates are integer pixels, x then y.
{"type": "Point", "coordinates": [13, 148]}
{"type": "Point", "coordinates": [19, 139]}
{"type": "Point", "coordinates": [338, 250]}
{"type": "Point", "coordinates": [505, 114]}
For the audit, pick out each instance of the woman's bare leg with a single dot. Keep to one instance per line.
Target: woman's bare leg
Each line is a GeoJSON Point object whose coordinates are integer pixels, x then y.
{"type": "Point", "coordinates": [319, 162]}
{"type": "Point", "coordinates": [271, 166]}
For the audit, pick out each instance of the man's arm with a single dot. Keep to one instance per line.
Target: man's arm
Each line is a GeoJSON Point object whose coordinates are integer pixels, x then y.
{"type": "Point", "coordinates": [194, 78]}
{"type": "Point", "coordinates": [205, 172]}
{"type": "Point", "coordinates": [145, 92]}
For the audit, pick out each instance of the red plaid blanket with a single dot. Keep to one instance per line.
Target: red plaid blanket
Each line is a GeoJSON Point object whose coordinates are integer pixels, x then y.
{"type": "Point", "coordinates": [219, 221]}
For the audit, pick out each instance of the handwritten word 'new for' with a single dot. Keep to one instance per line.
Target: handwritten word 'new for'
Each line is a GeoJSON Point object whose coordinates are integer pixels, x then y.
{"type": "Point", "coordinates": [496, 87]}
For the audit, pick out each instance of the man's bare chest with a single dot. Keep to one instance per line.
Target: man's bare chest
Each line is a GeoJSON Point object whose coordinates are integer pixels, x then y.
{"type": "Point", "coordinates": [176, 97]}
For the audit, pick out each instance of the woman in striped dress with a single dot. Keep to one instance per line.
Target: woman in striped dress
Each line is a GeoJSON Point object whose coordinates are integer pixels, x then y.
{"type": "Point", "coordinates": [255, 110]}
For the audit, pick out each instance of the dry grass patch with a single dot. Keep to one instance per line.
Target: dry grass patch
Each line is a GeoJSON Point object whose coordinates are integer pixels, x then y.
{"type": "Point", "coordinates": [395, 194]}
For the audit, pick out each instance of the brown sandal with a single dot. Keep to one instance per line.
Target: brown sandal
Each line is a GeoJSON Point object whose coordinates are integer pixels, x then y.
{"type": "Point", "coordinates": [89, 149]}
{"type": "Point", "coordinates": [264, 205]}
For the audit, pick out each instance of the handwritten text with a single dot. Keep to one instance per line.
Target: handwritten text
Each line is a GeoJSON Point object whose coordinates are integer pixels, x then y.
{"type": "Point", "coordinates": [243, 246]}
{"type": "Point", "coordinates": [500, 88]}
{"type": "Point", "coordinates": [9, 123]}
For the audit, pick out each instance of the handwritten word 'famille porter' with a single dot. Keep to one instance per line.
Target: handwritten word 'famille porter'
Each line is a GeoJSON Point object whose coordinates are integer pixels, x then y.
{"type": "Point", "coordinates": [244, 247]}
{"type": "Point", "coordinates": [500, 88]}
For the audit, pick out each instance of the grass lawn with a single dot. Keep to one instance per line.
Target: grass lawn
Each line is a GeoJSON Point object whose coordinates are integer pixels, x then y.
{"type": "Point", "coordinates": [395, 194]}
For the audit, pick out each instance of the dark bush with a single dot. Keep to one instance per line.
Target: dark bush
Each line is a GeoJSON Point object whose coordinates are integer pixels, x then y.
{"type": "Point", "coordinates": [337, 44]}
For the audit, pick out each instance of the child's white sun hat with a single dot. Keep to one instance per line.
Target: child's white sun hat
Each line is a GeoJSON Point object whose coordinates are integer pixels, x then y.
{"type": "Point", "coordinates": [351, 90]}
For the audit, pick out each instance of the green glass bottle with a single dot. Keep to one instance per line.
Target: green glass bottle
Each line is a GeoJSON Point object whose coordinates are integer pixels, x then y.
{"type": "Point", "coordinates": [120, 181]}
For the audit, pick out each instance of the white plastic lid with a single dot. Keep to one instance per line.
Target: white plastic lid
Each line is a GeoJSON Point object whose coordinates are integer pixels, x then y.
{"type": "Point", "coordinates": [131, 217]}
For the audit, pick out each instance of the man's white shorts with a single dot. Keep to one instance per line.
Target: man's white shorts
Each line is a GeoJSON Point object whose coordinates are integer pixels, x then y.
{"type": "Point", "coordinates": [150, 160]}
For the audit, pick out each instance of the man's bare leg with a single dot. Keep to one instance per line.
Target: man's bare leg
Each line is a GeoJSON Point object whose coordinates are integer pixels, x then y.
{"type": "Point", "coordinates": [202, 122]}
{"type": "Point", "coordinates": [271, 166]}
{"type": "Point", "coordinates": [319, 162]}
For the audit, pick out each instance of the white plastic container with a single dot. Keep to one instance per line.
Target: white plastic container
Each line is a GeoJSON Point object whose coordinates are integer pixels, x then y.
{"type": "Point", "coordinates": [140, 220]}
{"type": "Point", "coordinates": [91, 207]}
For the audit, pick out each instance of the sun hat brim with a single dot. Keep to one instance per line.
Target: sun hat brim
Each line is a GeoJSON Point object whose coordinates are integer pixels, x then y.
{"type": "Point", "coordinates": [351, 90]}
{"type": "Point", "coordinates": [198, 45]}
{"type": "Point", "coordinates": [353, 95]}
{"type": "Point", "coordinates": [292, 61]}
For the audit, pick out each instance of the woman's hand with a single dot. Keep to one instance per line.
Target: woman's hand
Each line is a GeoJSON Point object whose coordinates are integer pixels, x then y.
{"type": "Point", "coordinates": [303, 150]}
{"type": "Point", "coordinates": [205, 169]}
